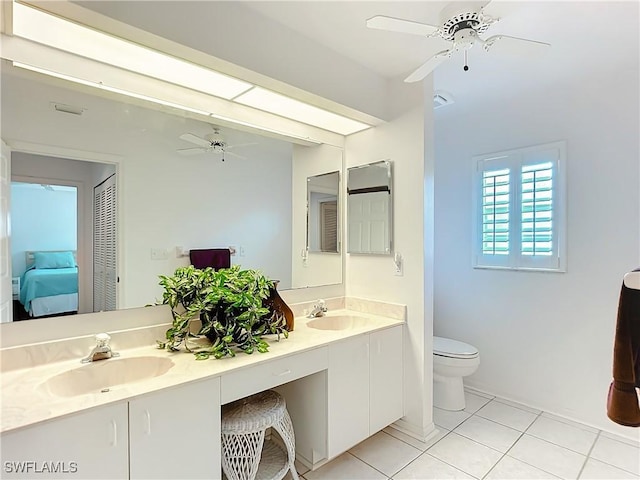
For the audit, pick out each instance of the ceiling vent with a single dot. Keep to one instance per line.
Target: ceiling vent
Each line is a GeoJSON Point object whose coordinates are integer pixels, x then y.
{"type": "Point", "coordinates": [440, 99]}
{"type": "Point", "coordinates": [61, 107]}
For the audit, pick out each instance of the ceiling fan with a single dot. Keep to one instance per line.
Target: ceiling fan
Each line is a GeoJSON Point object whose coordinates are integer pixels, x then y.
{"type": "Point", "coordinates": [460, 23]}
{"type": "Point", "coordinates": [210, 143]}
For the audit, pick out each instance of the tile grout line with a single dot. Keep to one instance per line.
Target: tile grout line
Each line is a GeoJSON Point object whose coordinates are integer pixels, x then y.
{"type": "Point", "coordinates": [423, 452]}
{"type": "Point", "coordinates": [368, 464]}
{"type": "Point", "coordinates": [606, 462]}
{"type": "Point", "coordinates": [588, 456]}
{"type": "Point", "coordinates": [541, 414]}
{"type": "Point", "coordinates": [512, 445]}
{"type": "Point", "coordinates": [426, 452]}
{"type": "Point", "coordinates": [452, 466]}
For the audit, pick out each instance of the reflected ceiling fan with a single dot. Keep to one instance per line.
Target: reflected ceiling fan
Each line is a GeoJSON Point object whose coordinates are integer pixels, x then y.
{"type": "Point", "coordinates": [210, 143]}
{"type": "Point", "coordinates": [461, 24]}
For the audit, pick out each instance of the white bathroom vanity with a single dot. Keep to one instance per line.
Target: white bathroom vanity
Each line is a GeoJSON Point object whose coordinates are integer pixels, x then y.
{"type": "Point", "coordinates": [342, 379]}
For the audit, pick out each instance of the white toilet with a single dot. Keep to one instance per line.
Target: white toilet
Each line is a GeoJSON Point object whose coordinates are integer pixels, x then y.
{"type": "Point", "coordinates": [452, 360]}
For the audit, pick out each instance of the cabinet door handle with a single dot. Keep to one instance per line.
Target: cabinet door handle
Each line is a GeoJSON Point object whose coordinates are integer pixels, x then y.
{"type": "Point", "coordinates": [114, 433]}
{"type": "Point", "coordinates": [282, 374]}
{"type": "Point", "coordinates": [147, 417]}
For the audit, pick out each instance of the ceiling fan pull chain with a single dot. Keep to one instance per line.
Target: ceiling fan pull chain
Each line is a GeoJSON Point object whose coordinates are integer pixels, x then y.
{"type": "Point", "coordinates": [466, 67]}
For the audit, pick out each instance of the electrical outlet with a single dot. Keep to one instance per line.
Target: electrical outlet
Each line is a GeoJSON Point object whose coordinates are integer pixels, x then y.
{"type": "Point", "coordinates": [241, 251]}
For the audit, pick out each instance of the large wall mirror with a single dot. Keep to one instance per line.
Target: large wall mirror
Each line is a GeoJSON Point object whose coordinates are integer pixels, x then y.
{"type": "Point", "coordinates": [323, 207]}
{"type": "Point", "coordinates": [169, 202]}
{"type": "Point", "coordinates": [370, 208]}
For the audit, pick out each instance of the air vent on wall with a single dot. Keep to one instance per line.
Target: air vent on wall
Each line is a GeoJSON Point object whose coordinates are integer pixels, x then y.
{"type": "Point", "coordinates": [61, 107]}
{"type": "Point", "coordinates": [440, 99]}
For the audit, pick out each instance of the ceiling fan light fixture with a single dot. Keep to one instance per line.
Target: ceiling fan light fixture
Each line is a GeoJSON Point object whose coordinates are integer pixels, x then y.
{"type": "Point", "coordinates": [461, 24]}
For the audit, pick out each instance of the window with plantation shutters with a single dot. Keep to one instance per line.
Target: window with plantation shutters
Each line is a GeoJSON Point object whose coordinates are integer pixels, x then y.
{"type": "Point", "coordinates": [519, 209]}
{"type": "Point", "coordinates": [537, 209]}
{"type": "Point", "coordinates": [495, 212]}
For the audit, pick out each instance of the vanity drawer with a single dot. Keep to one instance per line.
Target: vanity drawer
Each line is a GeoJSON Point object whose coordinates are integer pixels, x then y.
{"type": "Point", "coordinates": [270, 374]}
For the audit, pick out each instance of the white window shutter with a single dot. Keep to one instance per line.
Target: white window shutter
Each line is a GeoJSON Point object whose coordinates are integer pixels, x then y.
{"type": "Point", "coordinates": [519, 200]}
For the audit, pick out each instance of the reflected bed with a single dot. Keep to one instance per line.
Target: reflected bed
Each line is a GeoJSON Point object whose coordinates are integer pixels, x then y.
{"type": "Point", "coordinates": [50, 290]}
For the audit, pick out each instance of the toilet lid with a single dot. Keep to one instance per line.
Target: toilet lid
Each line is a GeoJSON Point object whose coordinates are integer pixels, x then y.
{"type": "Point", "coordinates": [445, 347]}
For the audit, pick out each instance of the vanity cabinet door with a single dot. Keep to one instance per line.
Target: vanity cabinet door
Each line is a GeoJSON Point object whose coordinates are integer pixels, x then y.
{"type": "Point", "coordinates": [90, 445]}
{"type": "Point", "coordinates": [348, 394]}
{"type": "Point", "coordinates": [386, 378]}
{"type": "Point", "coordinates": [175, 433]}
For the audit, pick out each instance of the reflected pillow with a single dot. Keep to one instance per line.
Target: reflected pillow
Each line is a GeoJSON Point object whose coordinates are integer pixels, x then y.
{"type": "Point", "coordinates": [54, 260]}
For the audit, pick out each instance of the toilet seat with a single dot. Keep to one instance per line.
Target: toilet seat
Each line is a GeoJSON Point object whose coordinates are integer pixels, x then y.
{"type": "Point", "coordinates": [446, 347]}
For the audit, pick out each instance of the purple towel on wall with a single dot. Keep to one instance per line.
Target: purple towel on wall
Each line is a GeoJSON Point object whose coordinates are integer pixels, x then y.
{"type": "Point", "coordinates": [216, 258]}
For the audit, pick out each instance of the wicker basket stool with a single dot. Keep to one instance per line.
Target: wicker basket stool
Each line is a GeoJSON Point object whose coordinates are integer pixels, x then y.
{"type": "Point", "coordinates": [245, 454]}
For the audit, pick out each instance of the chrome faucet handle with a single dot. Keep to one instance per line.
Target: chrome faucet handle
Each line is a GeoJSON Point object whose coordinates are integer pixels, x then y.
{"type": "Point", "coordinates": [319, 309]}
{"type": "Point", "coordinates": [102, 350]}
{"type": "Point", "coordinates": [102, 339]}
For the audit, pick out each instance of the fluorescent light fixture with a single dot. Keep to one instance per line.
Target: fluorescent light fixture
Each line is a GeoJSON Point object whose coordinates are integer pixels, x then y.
{"type": "Point", "coordinates": [50, 30]}
{"type": "Point", "coordinates": [102, 86]}
{"type": "Point", "coordinates": [158, 101]}
{"type": "Point", "coordinates": [264, 129]}
{"type": "Point", "coordinates": [287, 107]}
{"type": "Point", "coordinates": [47, 29]}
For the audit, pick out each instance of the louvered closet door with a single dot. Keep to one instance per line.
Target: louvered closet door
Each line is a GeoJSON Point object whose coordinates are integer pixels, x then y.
{"type": "Point", "coordinates": [104, 246]}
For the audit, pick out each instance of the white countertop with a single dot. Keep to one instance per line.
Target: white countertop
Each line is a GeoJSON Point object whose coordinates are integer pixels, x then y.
{"type": "Point", "coordinates": [26, 400]}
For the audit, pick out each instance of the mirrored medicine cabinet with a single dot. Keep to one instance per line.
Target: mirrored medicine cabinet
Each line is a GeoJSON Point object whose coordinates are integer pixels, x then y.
{"type": "Point", "coordinates": [370, 209]}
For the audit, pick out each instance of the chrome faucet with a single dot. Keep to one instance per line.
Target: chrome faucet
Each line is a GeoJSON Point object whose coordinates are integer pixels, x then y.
{"type": "Point", "coordinates": [318, 310]}
{"type": "Point", "coordinates": [102, 350]}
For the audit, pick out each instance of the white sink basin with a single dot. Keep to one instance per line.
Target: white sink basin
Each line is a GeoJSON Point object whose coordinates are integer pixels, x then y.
{"type": "Point", "coordinates": [339, 322]}
{"type": "Point", "coordinates": [101, 375]}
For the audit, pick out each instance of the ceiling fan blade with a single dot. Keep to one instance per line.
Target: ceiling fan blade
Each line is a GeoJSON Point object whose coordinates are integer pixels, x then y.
{"type": "Point", "coordinates": [381, 22]}
{"type": "Point", "coordinates": [429, 66]}
{"type": "Point", "coordinates": [498, 9]}
{"type": "Point", "coordinates": [229, 147]}
{"type": "Point", "coordinates": [190, 137]}
{"type": "Point", "coordinates": [191, 151]}
{"type": "Point", "coordinates": [227, 152]}
{"type": "Point", "coordinates": [513, 45]}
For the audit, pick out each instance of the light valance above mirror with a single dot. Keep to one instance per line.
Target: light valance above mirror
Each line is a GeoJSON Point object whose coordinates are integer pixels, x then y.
{"type": "Point", "coordinates": [370, 209]}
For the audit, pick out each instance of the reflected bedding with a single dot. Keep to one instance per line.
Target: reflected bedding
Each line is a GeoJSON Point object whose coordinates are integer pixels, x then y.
{"type": "Point", "coordinates": [37, 283]}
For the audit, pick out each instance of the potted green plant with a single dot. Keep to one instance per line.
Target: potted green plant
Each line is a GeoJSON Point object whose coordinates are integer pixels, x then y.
{"type": "Point", "coordinates": [232, 305]}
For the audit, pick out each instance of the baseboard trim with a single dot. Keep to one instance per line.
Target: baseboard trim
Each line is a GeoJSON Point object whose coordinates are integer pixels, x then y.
{"type": "Point", "coordinates": [423, 434]}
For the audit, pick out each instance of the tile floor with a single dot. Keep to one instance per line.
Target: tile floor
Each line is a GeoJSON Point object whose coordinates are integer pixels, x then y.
{"type": "Point", "coordinates": [491, 439]}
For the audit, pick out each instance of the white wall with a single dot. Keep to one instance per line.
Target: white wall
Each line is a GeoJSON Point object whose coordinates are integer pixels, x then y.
{"type": "Point", "coordinates": [41, 220]}
{"type": "Point", "coordinates": [202, 202]}
{"type": "Point", "coordinates": [406, 141]}
{"type": "Point", "coordinates": [545, 339]}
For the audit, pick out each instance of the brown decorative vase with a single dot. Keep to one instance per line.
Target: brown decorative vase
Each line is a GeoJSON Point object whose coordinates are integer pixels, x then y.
{"type": "Point", "coordinates": [275, 303]}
